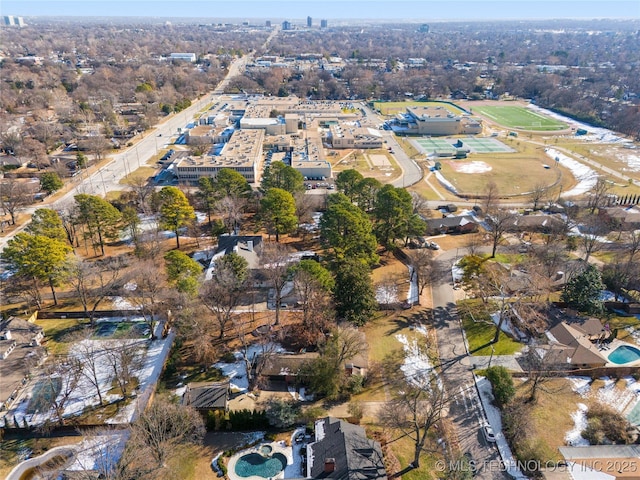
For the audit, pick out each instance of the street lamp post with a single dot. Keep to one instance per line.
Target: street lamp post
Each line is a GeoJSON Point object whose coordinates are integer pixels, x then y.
{"type": "Point", "coordinates": [103, 185]}
{"type": "Point", "coordinates": [493, 350]}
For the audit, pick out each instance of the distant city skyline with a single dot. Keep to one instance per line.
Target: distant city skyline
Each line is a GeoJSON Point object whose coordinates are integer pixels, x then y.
{"type": "Point", "coordinates": [413, 10]}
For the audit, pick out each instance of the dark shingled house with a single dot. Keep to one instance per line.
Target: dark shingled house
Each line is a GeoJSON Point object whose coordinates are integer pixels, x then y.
{"type": "Point", "coordinates": [453, 224]}
{"type": "Point", "coordinates": [342, 451]}
{"type": "Point", "coordinates": [206, 397]}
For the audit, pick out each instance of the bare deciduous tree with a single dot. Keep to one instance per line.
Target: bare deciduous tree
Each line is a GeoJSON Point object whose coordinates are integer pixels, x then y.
{"type": "Point", "coordinates": [498, 222]}
{"type": "Point", "coordinates": [61, 375]}
{"type": "Point", "coordinates": [163, 427]}
{"type": "Point", "coordinates": [146, 291]}
{"type": "Point", "coordinates": [275, 266]}
{"type": "Point", "coordinates": [94, 281]}
{"type": "Point", "coordinates": [14, 196]}
{"type": "Point", "coordinates": [223, 292]}
{"type": "Point", "coordinates": [422, 263]}
{"type": "Point", "coordinates": [231, 208]}
{"type": "Point", "coordinates": [123, 357]}
{"type": "Point", "coordinates": [416, 407]}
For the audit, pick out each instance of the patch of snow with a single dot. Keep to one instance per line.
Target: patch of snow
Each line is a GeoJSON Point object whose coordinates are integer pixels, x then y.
{"type": "Point", "coordinates": [473, 167]}
{"type": "Point", "coordinates": [294, 458]}
{"type": "Point", "coordinates": [445, 183]}
{"type": "Point", "coordinates": [580, 385]}
{"type": "Point", "coordinates": [494, 418]}
{"type": "Point", "coordinates": [319, 429]}
{"type": "Point", "coordinates": [574, 436]}
{"type": "Point", "coordinates": [417, 367]}
{"type": "Point", "coordinates": [179, 392]}
{"type": "Point", "coordinates": [100, 452]}
{"type": "Point", "coordinates": [237, 371]}
{"type": "Point", "coordinates": [148, 375]}
{"type": "Point", "coordinates": [387, 294]}
{"type": "Point", "coordinates": [586, 176]}
{"type": "Point", "coordinates": [614, 397]}
{"type": "Point", "coordinates": [120, 303]}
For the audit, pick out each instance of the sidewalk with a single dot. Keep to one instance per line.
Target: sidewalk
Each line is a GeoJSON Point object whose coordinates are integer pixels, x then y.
{"type": "Point", "coordinates": [493, 417]}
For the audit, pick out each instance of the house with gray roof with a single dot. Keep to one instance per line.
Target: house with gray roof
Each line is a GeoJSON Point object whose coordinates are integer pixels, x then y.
{"type": "Point", "coordinates": [342, 451]}
{"type": "Point", "coordinates": [206, 397]}
{"type": "Point", "coordinates": [452, 224]}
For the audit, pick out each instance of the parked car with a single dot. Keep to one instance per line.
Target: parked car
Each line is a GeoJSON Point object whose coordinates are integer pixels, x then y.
{"type": "Point", "coordinates": [487, 431]}
{"type": "Point", "coordinates": [434, 246]}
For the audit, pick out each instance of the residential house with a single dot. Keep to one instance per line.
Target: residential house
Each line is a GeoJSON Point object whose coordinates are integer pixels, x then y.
{"type": "Point", "coordinates": [456, 224]}
{"type": "Point", "coordinates": [342, 450]}
{"type": "Point", "coordinates": [574, 345]}
{"type": "Point", "coordinates": [248, 247]}
{"type": "Point", "coordinates": [207, 397]}
{"type": "Point", "coordinates": [621, 218]}
{"type": "Point", "coordinates": [285, 367]}
{"type": "Point", "coordinates": [536, 223]}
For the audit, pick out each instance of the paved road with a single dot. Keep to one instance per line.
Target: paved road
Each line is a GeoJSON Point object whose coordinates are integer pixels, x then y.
{"type": "Point", "coordinates": [411, 172]}
{"type": "Point", "coordinates": [464, 410]}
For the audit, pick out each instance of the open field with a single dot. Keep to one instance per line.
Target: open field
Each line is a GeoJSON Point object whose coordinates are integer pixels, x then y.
{"type": "Point", "coordinates": [367, 162]}
{"type": "Point", "coordinates": [624, 160]}
{"type": "Point", "coordinates": [393, 108]}
{"type": "Point", "coordinates": [507, 171]}
{"type": "Point", "coordinates": [518, 117]}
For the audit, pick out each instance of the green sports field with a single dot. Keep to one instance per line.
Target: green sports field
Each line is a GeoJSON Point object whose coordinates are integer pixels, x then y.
{"type": "Point", "coordinates": [519, 118]}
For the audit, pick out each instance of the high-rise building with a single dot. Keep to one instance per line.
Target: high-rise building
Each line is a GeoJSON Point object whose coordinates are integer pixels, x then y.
{"type": "Point", "coordinates": [268, 23]}
{"type": "Point", "coordinates": [286, 25]}
{"type": "Point", "coordinates": [12, 21]}
{"type": "Point", "coordinates": [323, 24]}
{"type": "Point", "coordinates": [309, 22]}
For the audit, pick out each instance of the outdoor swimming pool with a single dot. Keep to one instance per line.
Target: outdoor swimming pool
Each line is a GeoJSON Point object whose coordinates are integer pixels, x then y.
{"type": "Point", "coordinates": [260, 465]}
{"type": "Point", "coordinates": [624, 354]}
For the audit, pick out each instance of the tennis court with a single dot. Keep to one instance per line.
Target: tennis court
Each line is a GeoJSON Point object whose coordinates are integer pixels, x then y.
{"type": "Point", "coordinates": [485, 145]}
{"type": "Point", "coordinates": [519, 117]}
{"type": "Point", "coordinates": [42, 394]}
{"type": "Point", "coordinates": [437, 145]}
{"type": "Point", "coordinates": [451, 145]}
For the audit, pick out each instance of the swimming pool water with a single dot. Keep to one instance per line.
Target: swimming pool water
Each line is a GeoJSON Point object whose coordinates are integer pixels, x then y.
{"type": "Point", "coordinates": [624, 354]}
{"type": "Point", "coordinates": [256, 464]}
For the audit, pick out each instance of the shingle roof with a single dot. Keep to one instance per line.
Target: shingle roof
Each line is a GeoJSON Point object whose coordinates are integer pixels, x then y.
{"type": "Point", "coordinates": [206, 396]}
{"type": "Point", "coordinates": [356, 457]}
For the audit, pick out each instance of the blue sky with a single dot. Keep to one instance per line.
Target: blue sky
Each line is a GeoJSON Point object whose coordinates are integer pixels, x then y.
{"type": "Point", "coordinates": [416, 10]}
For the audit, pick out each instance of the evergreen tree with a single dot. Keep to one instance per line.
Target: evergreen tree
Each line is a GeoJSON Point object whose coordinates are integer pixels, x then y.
{"type": "Point", "coordinates": [583, 291]}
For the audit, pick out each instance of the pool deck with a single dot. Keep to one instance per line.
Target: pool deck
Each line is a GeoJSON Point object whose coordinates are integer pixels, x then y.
{"type": "Point", "coordinates": [278, 447]}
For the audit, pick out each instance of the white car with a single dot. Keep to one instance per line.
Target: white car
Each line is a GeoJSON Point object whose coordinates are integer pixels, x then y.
{"type": "Point", "coordinates": [489, 436]}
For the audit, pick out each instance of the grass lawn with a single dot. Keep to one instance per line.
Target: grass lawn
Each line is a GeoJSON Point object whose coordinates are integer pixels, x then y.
{"type": "Point", "coordinates": [550, 416]}
{"type": "Point", "coordinates": [139, 174]}
{"type": "Point", "coordinates": [55, 331]}
{"type": "Point", "coordinates": [622, 323]}
{"type": "Point", "coordinates": [506, 171]}
{"type": "Point", "coordinates": [608, 155]}
{"type": "Point", "coordinates": [513, 116]}
{"type": "Point", "coordinates": [481, 332]}
{"type": "Point", "coordinates": [402, 448]}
